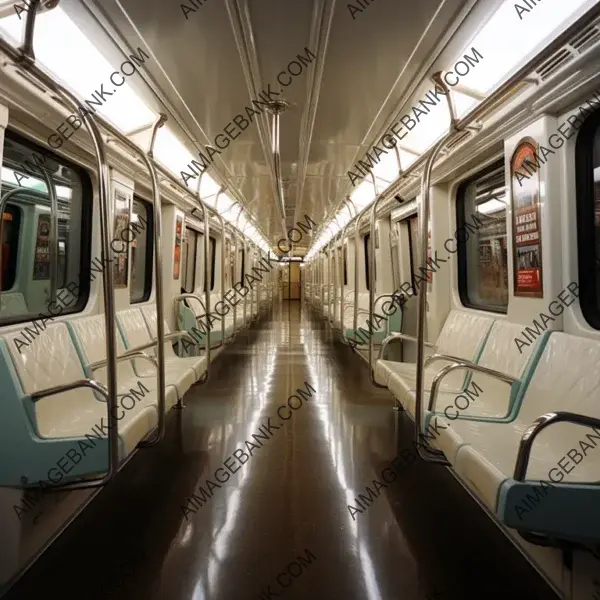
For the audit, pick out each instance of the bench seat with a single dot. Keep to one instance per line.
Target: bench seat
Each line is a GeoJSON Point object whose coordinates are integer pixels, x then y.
{"type": "Point", "coordinates": [566, 377]}
{"type": "Point", "coordinates": [172, 361]}
{"type": "Point", "coordinates": [135, 334]}
{"type": "Point", "coordinates": [463, 335]}
{"type": "Point", "coordinates": [41, 433]}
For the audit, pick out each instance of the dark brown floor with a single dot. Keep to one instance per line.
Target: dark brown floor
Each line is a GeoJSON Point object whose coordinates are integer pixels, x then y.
{"type": "Point", "coordinates": [422, 538]}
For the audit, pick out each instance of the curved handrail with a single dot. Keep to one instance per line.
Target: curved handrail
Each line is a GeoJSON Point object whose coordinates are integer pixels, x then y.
{"type": "Point", "coordinates": [147, 158]}
{"type": "Point", "coordinates": [26, 57]}
{"type": "Point", "coordinates": [113, 449]}
{"type": "Point", "coordinates": [372, 283]}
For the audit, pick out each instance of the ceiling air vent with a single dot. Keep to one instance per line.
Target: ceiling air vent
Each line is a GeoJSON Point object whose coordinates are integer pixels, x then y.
{"type": "Point", "coordinates": [459, 140]}
{"type": "Point", "coordinates": [555, 62]}
{"type": "Point", "coordinates": [586, 38]}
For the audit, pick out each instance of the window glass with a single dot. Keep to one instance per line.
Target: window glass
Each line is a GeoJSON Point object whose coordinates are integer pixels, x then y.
{"type": "Point", "coordinates": [212, 247]}
{"type": "Point", "coordinates": [189, 257]}
{"type": "Point", "coordinates": [29, 256]}
{"type": "Point", "coordinates": [243, 265]}
{"type": "Point", "coordinates": [345, 252]}
{"type": "Point", "coordinates": [367, 249]}
{"type": "Point", "coordinates": [482, 256]}
{"type": "Point", "coordinates": [141, 251]}
{"type": "Point", "coordinates": [588, 218]}
{"type": "Point", "coordinates": [9, 237]}
{"type": "Point", "coordinates": [414, 248]}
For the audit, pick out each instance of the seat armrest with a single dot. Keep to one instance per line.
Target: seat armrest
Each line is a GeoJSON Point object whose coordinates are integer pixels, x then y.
{"type": "Point", "coordinates": [400, 336]}
{"type": "Point", "coordinates": [456, 359]}
{"type": "Point", "coordinates": [537, 427]}
{"type": "Point", "coordinates": [129, 355]}
{"type": "Point", "coordinates": [468, 367]}
{"type": "Point", "coordinates": [67, 387]}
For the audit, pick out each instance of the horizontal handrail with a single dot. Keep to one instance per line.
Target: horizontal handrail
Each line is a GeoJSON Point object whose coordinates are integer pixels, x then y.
{"type": "Point", "coordinates": [127, 356]}
{"type": "Point", "coordinates": [472, 367]}
{"type": "Point", "coordinates": [537, 427]}
{"type": "Point", "coordinates": [113, 457]}
{"type": "Point", "coordinates": [399, 336]}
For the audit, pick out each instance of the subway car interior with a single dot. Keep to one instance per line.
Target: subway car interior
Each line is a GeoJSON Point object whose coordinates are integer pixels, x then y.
{"type": "Point", "coordinates": [284, 327]}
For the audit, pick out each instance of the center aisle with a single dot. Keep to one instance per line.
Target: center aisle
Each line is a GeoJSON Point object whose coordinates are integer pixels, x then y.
{"type": "Point", "coordinates": [249, 498]}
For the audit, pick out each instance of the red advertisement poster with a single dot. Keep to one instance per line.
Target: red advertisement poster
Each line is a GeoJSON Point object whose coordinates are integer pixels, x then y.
{"type": "Point", "coordinates": [526, 230]}
{"type": "Point", "coordinates": [177, 251]}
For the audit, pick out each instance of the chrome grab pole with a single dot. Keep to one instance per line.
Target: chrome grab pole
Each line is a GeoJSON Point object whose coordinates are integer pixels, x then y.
{"type": "Point", "coordinates": [26, 58]}
{"type": "Point", "coordinates": [428, 454]}
{"type": "Point", "coordinates": [207, 257]}
{"type": "Point", "coordinates": [148, 159]}
{"type": "Point", "coordinates": [221, 190]}
{"type": "Point", "coordinates": [342, 295]}
{"type": "Point", "coordinates": [53, 238]}
{"type": "Point", "coordinates": [372, 281]}
{"type": "Point", "coordinates": [356, 255]}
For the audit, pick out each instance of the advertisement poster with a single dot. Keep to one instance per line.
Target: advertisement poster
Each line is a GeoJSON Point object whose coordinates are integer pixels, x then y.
{"type": "Point", "coordinates": [120, 244]}
{"type": "Point", "coordinates": [526, 230]}
{"type": "Point", "coordinates": [177, 251]}
{"type": "Point", "coordinates": [41, 263]}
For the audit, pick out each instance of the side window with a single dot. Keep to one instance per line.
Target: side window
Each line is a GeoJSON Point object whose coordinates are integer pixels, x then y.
{"type": "Point", "coordinates": [482, 258]}
{"type": "Point", "coordinates": [141, 251]}
{"type": "Point", "coordinates": [45, 254]}
{"type": "Point", "coordinates": [588, 218]}
{"type": "Point", "coordinates": [212, 245]}
{"type": "Point", "coordinates": [243, 267]}
{"type": "Point", "coordinates": [367, 274]}
{"type": "Point", "coordinates": [367, 244]}
{"type": "Point", "coordinates": [9, 241]}
{"type": "Point", "coordinates": [345, 255]}
{"type": "Point", "coordinates": [414, 249]}
{"type": "Point", "coordinates": [188, 258]}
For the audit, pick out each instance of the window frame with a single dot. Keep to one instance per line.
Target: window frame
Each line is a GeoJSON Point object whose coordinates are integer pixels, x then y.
{"type": "Point", "coordinates": [85, 246]}
{"type": "Point", "coordinates": [366, 240]}
{"type": "Point", "coordinates": [149, 266]}
{"type": "Point", "coordinates": [212, 250]}
{"type": "Point", "coordinates": [18, 216]}
{"type": "Point", "coordinates": [184, 276]}
{"type": "Point", "coordinates": [589, 299]}
{"type": "Point", "coordinates": [461, 253]}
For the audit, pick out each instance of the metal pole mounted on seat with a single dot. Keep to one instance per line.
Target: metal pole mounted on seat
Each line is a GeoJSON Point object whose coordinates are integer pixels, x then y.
{"type": "Point", "coordinates": [148, 158]}
{"type": "Point", "coordinates": [26, 58]}
{"type": "Point", "coordinates": [428, 454]}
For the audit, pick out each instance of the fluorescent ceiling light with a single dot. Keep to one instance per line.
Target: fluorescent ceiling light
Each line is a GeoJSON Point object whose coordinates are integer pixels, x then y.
{"type": "Point", "coordinates": [224, 202]}
{"type": "Point", "coordinates": [508, 39]}
{"type": "Point", "coordinates": [491, 206]}
{"type": "Point", "coordinates": [170, 152]}
{"type": "Point", "coordinates": [364, 194]}
{"type": "Point", "coordinates": [208, 186]}
{"type": "Point", "coordinates": [65, 51]}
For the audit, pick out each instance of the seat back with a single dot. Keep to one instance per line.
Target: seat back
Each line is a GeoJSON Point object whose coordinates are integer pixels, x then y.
{"type": "Point", "coordinates": [12, 304]}
{"type": "Point", "coordinates": [566, 377]}
{"type": "Point", "coordinates": [500, 354]}
{"type": "Point", "coordinates": [49, 359]}
{"type": "Point", "coordinates": [463, 334]}
{"type": "Point", "coordinates": [89, 337]}
{"type": "Point", "coordinates": [133, 327]}
{"type": "Point", "coordinates": [149, 314]}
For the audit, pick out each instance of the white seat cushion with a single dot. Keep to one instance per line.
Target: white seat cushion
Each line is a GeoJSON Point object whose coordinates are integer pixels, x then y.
{"type": "Point", "coordinates": [50, 360]}
{"type": "Point", "coordinates": [567, 377]}
{"type": "Point", "coordinates": [136, 332]}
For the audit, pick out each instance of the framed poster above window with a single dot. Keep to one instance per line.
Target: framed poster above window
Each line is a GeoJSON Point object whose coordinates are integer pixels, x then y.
{"type": "Point", "coordinates": [526, 220]}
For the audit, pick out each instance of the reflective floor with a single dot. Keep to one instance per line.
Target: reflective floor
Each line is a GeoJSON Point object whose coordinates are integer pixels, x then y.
{"type": "Point", "coordinates": [189, 519]}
